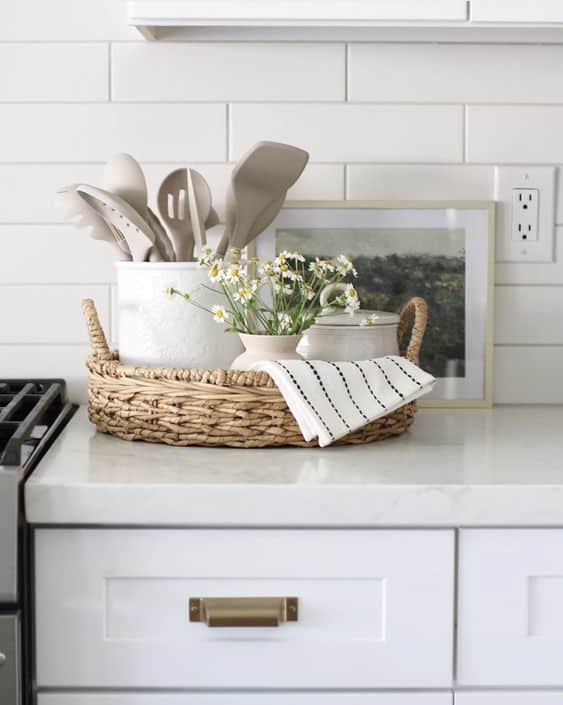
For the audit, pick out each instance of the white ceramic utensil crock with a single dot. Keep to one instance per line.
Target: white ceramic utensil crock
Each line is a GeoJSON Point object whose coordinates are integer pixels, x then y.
{"type": "Point", "coordinates": [342, 337]}
{"type": "Point", "coordinates": [156, 329]}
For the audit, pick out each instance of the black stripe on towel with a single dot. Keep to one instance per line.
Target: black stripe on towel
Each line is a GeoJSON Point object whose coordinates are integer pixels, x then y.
{"type": "Point", "coordinates": [306, 399]}
{"type": "Point", "coordinates": [413, 379]}
{"type": "Point", "coordinates": [393, 387]}
{"type": "Point", "coordinates": [368, 385]}
{"type": "Point", "coordinates": [348, 389]}
{"type": "Point", "coordinates": [322, 386]}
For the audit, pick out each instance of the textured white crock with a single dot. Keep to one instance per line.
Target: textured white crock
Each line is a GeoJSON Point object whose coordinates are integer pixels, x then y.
{"type": "Point", "coordinates": [346, 343]}
{"type": "Point", "coordinates": [156, 329]}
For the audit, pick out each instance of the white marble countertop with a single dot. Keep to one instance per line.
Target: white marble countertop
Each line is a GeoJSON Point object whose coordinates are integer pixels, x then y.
{"type": "Point", "coordinates": [498, 467]}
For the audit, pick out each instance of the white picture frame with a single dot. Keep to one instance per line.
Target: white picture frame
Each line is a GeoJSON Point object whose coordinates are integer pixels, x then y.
{"type": "Point", "coordinates": [477, 221]}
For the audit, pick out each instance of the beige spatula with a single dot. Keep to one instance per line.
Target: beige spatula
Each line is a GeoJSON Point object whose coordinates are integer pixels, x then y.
{"type": "Point", "coordinates": [261, 179]}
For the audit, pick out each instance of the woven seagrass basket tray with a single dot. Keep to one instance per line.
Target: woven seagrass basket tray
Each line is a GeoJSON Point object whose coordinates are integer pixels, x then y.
{"type": "Point", "coordinates": [184, 407]}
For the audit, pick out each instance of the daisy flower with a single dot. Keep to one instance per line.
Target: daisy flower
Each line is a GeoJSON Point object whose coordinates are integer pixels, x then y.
{"type": "Point", "coordinates": [284, 321]}
{"type": "Point", "coordinates": [370, 320]}
{"type": "Point", "coordinates": [215, 272]}
{"type": "Point", "coordinates": [352, 305]}
{"type": "Point", "coordinates": [220, 315]}
{"type": "Point", "coordinates": [344, 266]}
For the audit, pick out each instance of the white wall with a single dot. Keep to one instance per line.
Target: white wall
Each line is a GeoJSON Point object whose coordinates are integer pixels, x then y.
{"type": "Point", "coordinates": [380, 120]}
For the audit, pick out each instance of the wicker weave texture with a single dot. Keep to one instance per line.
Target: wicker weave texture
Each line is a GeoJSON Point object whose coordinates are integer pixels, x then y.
{"type": "Point", "coordinates": [184, 407]}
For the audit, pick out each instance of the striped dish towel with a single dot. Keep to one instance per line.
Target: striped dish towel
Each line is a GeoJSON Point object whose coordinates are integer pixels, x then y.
{"type": "Point", "coordinates": [331, 399]}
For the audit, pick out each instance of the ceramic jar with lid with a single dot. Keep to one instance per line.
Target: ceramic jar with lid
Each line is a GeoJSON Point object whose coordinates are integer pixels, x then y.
{"type": "Point", "coordinates": [341, 336]}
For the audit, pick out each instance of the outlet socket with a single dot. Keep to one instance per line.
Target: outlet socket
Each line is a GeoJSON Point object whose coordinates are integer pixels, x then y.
{"type": "Point", "coordinates": [525, 214]}
{"type": "Point", "coordinates": [515, 187]}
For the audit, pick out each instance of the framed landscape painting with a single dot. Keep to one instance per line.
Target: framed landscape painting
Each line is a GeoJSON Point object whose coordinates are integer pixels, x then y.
{"type": "Point", "coordinates": [442, 251]}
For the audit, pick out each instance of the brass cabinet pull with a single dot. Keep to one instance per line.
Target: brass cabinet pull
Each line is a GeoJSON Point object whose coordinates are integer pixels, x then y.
{"type": "Point", "coordinates": [243, 611]}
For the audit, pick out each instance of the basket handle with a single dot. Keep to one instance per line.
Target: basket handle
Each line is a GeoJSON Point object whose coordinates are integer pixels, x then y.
{"type": "Point", "coordinates": [416, 308]}
{"type": "Point", "coordinates": [96, 333]}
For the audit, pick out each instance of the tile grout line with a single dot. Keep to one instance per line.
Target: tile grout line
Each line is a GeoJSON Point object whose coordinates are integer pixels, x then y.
{"type": "Point", "coordinates": [228, 133]}
{"type": "Point", "coordinates": [465, 134]}
{"type": "Point", "coordinates": [110, 86]}
{"type": "Point", "coordinates": [346, 72]}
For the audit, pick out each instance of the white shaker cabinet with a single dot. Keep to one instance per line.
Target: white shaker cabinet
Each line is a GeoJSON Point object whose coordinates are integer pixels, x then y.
{"type": "Point", "coordinates": [375, 609]}
{"type": "Point", "coordinates": [510, 608]}
{"type": "Point", "coordinates": [396, 542]}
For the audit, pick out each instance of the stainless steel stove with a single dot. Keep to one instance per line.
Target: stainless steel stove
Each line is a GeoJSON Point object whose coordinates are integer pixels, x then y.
{"type": "Point", "coordinates": [32, 413]}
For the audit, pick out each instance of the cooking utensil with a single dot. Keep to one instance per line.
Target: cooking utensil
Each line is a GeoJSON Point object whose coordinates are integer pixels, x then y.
{"type": "Point", "coordinates": [173, 206]}
{"type": "Point", "coordinates": [171, 202]}
{"type": "Point", "coordinates": [124, 177]}
{"type": "Point", "coordinates": [212, 219]}
{"type": "Point", "coordinates": [230, 220]}
{"type": "Point", "coordinates": [199, 200]}
{"type": "Point", "coordinates": [261, 178]}
{"type": "Point", "coordinates": [84, 216]}
{"type": "Point", "coordinates": [117, 212]}
{"type": "Point", "coordinates": [265, 219]}
{"type": "Point", "coordinates": [164, 244]}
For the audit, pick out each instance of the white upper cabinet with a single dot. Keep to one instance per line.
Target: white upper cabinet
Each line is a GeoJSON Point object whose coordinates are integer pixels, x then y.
{"type": "Point", "coordinates": [517, 11]}
{"type": "Point", "coordinates": [152, 16]}
{"type": "Point", "coordinates": [322, 13]}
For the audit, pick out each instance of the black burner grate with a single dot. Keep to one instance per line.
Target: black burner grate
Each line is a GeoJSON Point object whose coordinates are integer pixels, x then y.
{"type": "Point", "coordinates": [28, 409]}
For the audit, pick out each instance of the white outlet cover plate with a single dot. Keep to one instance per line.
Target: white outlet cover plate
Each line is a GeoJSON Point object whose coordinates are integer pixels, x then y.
{"type": "Point", "coordinates": [508, 178]}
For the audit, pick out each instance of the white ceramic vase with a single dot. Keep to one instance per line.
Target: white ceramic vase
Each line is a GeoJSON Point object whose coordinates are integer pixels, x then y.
{"type": "Point", "coordinates": [266, 347]}
{"type": "Point", "coordinates": [156, 329]}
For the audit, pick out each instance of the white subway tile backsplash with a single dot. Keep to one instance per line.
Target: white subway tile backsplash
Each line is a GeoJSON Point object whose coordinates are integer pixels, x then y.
{"type": "Point", "coordinates": [48, 314]}
{"type": "Point", "coordinates": [93, 132]}
{"type": "Point", "coordinates": [510, 134]}
{"type": "Point", "coordinates": [227, 71]}
{"type": "Point", "coordinates": [456, 73]}
{"type": "Point", "coordinates": [64, 361]}
{"type": "Point", "coordinates": [528, 375]}
{"type": "Point", "coordinates": [529, 315]}
{"type": "Point", "coordinates": [319, 182]}
{"type": "Point", "coordinates": [29, 190]}
{"type": "Point", "coordinates": [53, 72]}
{"type": "Point", "coordinates": [65, 20]}
{"type": "Point", "coordinates": [354, 133]}
{"type": "Point", "coordinates": [415, 182]}
{"type": "Point", "coordinates": [53, 254]}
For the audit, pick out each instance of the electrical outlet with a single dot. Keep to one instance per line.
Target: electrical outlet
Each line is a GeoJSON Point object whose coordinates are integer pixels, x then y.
{"type": "Point", "coordinates": [525, 234]}
{"type": "Point", "coordinates": [525, 213]}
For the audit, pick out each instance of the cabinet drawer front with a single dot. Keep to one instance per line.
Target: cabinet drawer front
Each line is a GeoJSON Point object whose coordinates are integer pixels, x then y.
{"type": "Point", "coordinates": [375, 608]}
{"type": "Point", "coordinates": [247, 699]}
{"type": "Point", "coordinates": [511, 608]}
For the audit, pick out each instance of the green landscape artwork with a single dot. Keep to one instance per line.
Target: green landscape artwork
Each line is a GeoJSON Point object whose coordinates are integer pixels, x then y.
{"type": "Point", "coordinates": [394, 265]}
